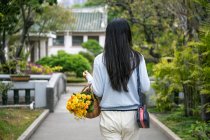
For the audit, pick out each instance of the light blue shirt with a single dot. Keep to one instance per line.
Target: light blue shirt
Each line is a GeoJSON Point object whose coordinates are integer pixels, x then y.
{"type": "Point", "coordinates": [112, 99]}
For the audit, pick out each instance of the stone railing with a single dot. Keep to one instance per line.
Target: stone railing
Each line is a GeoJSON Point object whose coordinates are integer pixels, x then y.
{"type": "Point", "coordinates": [44, 90]}
{"type": "Point", "coordinates": [55, 87]}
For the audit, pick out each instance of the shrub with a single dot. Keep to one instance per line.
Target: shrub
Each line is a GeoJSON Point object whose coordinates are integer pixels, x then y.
{"type": "Point", "coordinates": [200, 130]}
{"type": "Point", "coordinates": [150, 68]}
{"type": "Point", "coordinates": [69, 62]}
{"type": "Point", "coordinates": [92, 46]}
{"type": "Point", "coordinates": [39, 69]}
{"type": "Point", "coordinates": [164, 85]}
{"type": "Point", "coordinates": [88, 56]}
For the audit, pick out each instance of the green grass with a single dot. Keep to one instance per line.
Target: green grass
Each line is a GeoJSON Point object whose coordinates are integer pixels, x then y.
{"type": "Point", "coordinates": [76, 80]}
{"type": "Point", "coordinates": [13, 122]}
{"type": "Point", "coordinates": [177, 122]}
{"type": "Point", "coordinates": [72, 78]}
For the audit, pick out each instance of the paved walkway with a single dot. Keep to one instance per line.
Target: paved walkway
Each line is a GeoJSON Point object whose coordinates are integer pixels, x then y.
{"type": "Point", "coordinates": [61, 125]}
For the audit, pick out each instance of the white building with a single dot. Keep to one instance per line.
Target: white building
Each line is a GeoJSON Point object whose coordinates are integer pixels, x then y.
{"type": "Point", "coordinates": [90, 23]}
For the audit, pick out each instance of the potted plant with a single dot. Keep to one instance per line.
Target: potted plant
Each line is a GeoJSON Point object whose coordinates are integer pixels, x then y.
{"type": "Point", "coordinates": [21, 77]}
{"type": "Point", "coordinates": [20, 72]}
{"type": "Point", "coordinates": [4, 87]}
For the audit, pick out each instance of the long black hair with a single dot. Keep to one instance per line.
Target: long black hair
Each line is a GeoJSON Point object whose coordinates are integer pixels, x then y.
{"type": "Point", "coordinates": [120, 59]}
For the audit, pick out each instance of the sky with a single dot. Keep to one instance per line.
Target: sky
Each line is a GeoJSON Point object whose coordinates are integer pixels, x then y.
{"type": "Point", "coordinates": [68, 3]}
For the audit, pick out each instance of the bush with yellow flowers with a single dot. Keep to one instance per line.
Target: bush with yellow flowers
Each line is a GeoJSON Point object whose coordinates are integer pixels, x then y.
{"type": "Point", "coordinates": [39, 69]}
{"type": "Point", "coordinates": [80, 104]}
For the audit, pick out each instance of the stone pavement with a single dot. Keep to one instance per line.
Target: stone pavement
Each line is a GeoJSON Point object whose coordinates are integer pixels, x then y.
{"type": "Point", "coordinates": [61, 125]}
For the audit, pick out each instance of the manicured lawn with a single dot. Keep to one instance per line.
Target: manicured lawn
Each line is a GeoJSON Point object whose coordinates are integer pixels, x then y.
{"type": "Point", "coordinates": [13, 122]}
{"type": "Point", "coordinates": [177, 122]}
{"type": "Point", "coordinates": [76, 80]}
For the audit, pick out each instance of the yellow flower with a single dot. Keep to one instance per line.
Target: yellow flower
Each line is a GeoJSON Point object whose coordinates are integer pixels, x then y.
{"type": "Point", "coordinates": [78, 104]}
{"type": "Point", "coordinates": [78, 95]}
{"type": "Point", "coordinates": [88, 102]}
{"type": "Point", "coordinates": [83, 96]}
{"type": "Point", "coordinates": [75, 100]}
{"type": "Point", "coordinates": [88, 97]}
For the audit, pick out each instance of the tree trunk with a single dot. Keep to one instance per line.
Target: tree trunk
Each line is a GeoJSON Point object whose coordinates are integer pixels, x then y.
{"type": "Point", "coordinates": [176, 97]}
{"type": "Point", "coordinates": [2, 52]}
{"type": "Point", "coordinates": [5, 69]}
{"type": "Point", "coordinates": [188, 100]}
{"type": "Point", "coordinates": [22, 41]}
{"type": "Point", "coordinates": [205, 99]}
{"type": "Point", "coordinates": [27, 23]}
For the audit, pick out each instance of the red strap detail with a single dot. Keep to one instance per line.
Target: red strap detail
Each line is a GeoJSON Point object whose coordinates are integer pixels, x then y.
{"type": "Point", "coordinates": [142, 117]}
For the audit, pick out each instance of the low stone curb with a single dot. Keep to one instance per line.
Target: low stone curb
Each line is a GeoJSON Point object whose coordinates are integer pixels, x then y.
{"type": "Point", "coordinates": [171, 135]}
{"type": "Point", "coordinates": [15, 106]}
{"type": "Point", "coordinates": [32, 128]}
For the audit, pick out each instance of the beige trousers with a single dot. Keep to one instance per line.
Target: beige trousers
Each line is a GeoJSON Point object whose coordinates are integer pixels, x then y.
{"type": "Point", "coordinates": [119, 125]}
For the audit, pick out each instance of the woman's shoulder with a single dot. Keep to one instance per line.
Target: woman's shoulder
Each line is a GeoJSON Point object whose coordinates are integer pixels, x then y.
{"type": "Point", "coordinates": [98, 58]}
{"type": "Point", "coordinates": [141, 56]}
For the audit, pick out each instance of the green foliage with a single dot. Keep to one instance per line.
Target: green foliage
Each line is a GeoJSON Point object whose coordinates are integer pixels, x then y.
{"type": "Point", "coordinates": [177, 122]}
{"type": "Point", "coordinates": [88, 56]}
{"type": "Point", "coordinates": [9, 12]}
{"type": "Point", "coordinates": [180, 73]}
{"type": "Point", "coordinates": [8, 16]}
{"type": "Point", "coordinates": [94, 3]}
{"type": "Point", "coordinates": [93, 47]}
{"type": "Point", "coordinates": [76, 80]}
{"type": "Point", "coordinates": [4, 87]}
{"type": "Point", "coordinates": [52, 18]}
{"type": "Point", "coordinates": [150, 68]}
{"type": "Point", "coordinates": [17, 16]}
{"type": "Point", "coordinates": [165, 84]}
{"type": "Point", "coordinates": [13, 122]}
{"type": "Point", "coordinates": [69, 62]}
{"type": "Point", "coordinates": [200, 130]}
{"type": "Point", "coordinates": [8, 67]}
{"type": "Point", "coordinates": [151, 24]}
{"type": "Point", "coordinates": [204, 57]}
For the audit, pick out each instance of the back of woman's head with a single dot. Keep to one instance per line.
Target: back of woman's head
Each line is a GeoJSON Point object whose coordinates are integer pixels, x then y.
{"type": "Point", "coordinates": [120, 58]}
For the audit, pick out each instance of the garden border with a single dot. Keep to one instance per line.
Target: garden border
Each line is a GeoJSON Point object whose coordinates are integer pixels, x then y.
{"type": "Point", "coordinates": [77, 84]}
{"type": "Point", "coordinates": [170, 134]}
{"type": "Point", "coordinates": [32, 128]}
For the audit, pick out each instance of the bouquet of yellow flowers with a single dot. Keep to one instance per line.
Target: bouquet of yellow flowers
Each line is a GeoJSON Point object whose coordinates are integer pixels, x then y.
{"type": "Point", "coordinates": [80, 104]}
{"type": "Point", "coordinates": [84, 104]}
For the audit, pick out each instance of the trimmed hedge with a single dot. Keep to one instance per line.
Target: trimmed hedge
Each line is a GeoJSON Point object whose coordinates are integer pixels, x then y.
{"type": "Point", "coordinates": [70, 62]}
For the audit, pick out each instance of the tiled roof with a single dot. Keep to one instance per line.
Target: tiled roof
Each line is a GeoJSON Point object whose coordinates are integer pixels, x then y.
{"type": "Point", "coordinates": [88, 22]}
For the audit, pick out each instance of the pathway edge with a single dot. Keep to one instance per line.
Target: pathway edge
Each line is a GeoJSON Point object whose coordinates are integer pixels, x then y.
{"type": "Point", "coordinates": [170, 134]}
{"type": "Point", "coordinates": [32, 128]}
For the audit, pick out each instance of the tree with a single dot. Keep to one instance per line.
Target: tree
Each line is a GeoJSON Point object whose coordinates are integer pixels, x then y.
{"type": "Point", "coordinates": [52, 18]}
{"type": "Point", "coordinates": [28, 11]}
{"type": "Point", "coordinates": [150, 21]}
{"type": "Point", "coordinates": [190, 15]}
{"type": "Point", "coordinates": [8, 24]}
{"type": "Point", "coordinates": [17, 17]}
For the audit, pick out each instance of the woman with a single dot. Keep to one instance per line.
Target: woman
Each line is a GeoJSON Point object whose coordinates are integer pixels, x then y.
{"type": "Point", "coordinates": [115, 80]}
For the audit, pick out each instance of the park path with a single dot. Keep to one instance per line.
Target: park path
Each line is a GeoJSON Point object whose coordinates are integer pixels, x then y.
{"type": "Point", "coordinates": [61, 125]}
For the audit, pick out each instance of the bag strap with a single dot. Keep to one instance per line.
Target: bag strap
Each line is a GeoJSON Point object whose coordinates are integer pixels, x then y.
{"type": "Point", "coordinates": [139, 87]}
{"type": "Point", "coordinates": [87, 88]}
